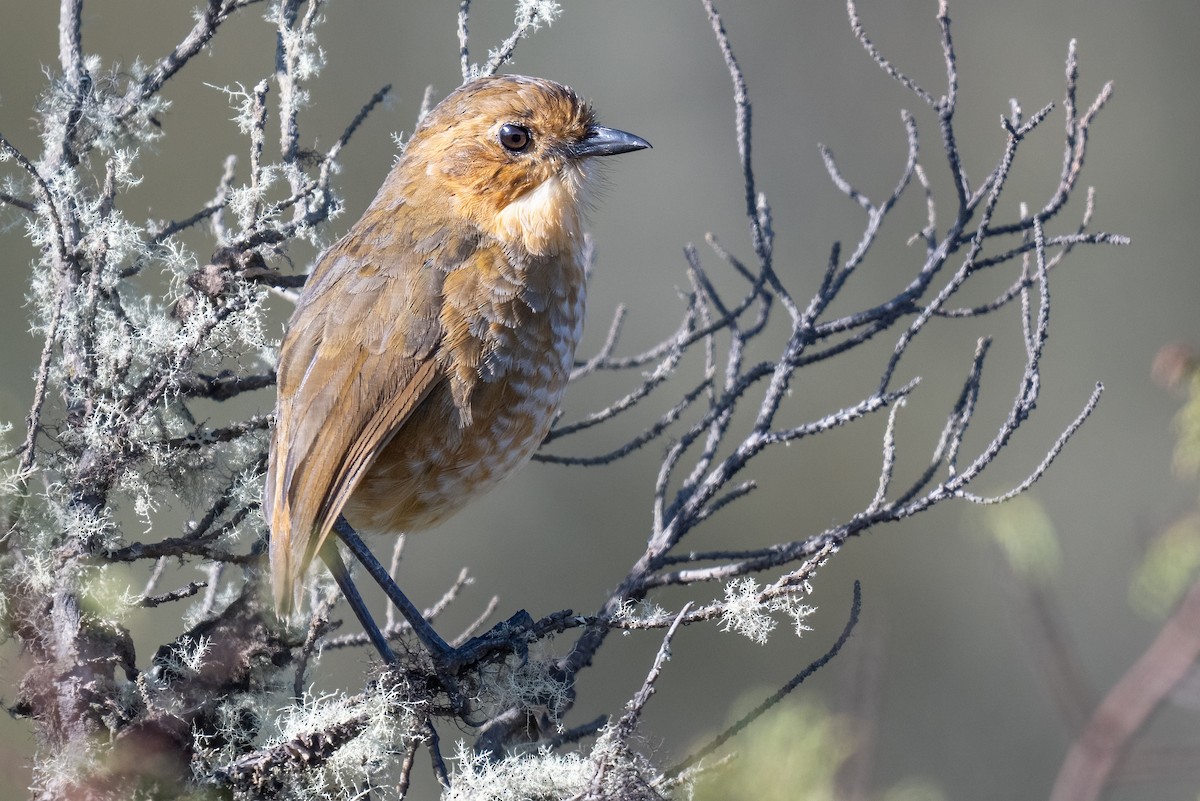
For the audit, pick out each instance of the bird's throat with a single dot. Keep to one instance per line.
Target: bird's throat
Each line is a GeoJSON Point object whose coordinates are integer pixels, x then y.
{"type": "Point", "coordinates": [546, 220]}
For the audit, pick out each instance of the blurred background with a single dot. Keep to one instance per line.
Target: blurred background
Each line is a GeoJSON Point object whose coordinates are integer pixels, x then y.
{"type": "Point", "coordinates": [944, 690]}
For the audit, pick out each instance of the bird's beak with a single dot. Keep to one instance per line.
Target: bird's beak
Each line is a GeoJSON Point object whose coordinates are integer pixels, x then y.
{"type": "Point", "coordinates": [601, 141]}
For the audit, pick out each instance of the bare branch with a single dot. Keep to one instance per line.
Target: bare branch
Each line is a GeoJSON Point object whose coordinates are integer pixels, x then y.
{"type": "Point", "coordinates": [1129, 704]}
{"type": "Point", "coordinates": [861, 34]}
{"type": "Point", "coordinates": [215, 13]}
{"type": "Point", "coordinates": [774, 699]}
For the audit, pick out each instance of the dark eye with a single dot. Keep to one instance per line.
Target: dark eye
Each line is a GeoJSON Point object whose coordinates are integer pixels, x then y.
{"type": "Point", "coordinates": [514, 137]}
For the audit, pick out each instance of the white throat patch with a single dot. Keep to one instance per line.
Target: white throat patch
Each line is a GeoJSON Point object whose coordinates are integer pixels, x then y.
{"type": "Point", "coordinates": [547, 219]}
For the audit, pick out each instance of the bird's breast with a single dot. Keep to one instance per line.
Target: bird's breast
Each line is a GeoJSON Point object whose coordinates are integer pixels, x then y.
{"type": "Point", "coordinates": [445, 455]}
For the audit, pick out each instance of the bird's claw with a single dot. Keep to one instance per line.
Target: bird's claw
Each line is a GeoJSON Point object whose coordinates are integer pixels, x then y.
{"type": "Point", "coordinates": [509, 636]}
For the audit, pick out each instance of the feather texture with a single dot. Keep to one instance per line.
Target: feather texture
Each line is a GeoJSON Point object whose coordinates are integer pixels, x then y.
{"type": "Point", "coordinates": [430, 350]}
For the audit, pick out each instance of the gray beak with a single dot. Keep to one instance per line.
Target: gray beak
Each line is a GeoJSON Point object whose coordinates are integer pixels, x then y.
{"type": "Point", "coordinates": [601, 141]}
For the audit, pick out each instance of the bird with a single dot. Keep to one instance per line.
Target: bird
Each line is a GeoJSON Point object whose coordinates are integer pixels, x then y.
{"type": "Point", "coordinates": [430, 347]}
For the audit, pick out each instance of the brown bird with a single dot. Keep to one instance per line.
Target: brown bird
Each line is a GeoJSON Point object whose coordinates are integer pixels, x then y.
{"type": "Point", "coordinates": [431, 346]}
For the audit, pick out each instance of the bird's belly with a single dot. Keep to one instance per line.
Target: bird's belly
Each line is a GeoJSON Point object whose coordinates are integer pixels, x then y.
{"type": "Point", "coordinates": [434, 465]}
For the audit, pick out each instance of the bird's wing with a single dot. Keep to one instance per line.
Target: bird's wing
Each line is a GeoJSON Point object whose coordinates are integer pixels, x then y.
{"type": "Point", "coordinates": [358, 358]}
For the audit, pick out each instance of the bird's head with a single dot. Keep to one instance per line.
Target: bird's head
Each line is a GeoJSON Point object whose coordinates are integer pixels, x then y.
{"type": "Point", "coordinates": [513, 155]}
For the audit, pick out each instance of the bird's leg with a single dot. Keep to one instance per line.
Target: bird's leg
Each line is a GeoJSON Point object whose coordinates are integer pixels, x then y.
{"type": "Point", "coordinates": [441, 651]}
{"type": "Point", "coordinates": [333, 560]}
{"type": "Point", "coordinates": [506, 636]}
{"type": "Point", "coordinates": [444, 656]}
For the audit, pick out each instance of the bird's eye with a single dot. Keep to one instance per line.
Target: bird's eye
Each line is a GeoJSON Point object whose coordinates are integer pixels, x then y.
{"type": "Point", "coordinates": [514, 137]}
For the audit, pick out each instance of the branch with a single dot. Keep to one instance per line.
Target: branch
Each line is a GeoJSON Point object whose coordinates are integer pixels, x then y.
{"type": "Point", "coordinates": [1127, 708]}
{"type": "Point", "coordinates": [776, 697]}
{"type": "Point", "coordinates": [216, 12]}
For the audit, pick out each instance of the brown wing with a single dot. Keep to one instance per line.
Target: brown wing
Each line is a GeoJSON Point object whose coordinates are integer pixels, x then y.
{"type": "Point", "coordinates": [358, 358]}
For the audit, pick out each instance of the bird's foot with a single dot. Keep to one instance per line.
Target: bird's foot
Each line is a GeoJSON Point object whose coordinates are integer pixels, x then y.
{"type": "Point", "coordinates": [507, 637]}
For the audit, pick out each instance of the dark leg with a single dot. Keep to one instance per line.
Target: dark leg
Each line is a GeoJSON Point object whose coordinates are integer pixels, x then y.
{"type": "Point", "coordinates": [505, 637]}
{"type": "Point", "coordinates": [439, 649]}
{"type": "Point", "coordinates": [333, 560]}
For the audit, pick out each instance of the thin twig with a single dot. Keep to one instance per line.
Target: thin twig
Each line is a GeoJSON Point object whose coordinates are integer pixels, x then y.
{"type": "Point", "coordinates": [775, 698]}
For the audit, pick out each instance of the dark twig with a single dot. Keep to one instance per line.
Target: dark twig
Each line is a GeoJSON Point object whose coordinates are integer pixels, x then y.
{"type": "Point", "coordinates": [775, 698]}
{"type": "Point", "coordinates": [215, 13]}
{"type": "Point", "coordinates": [188, 591]}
